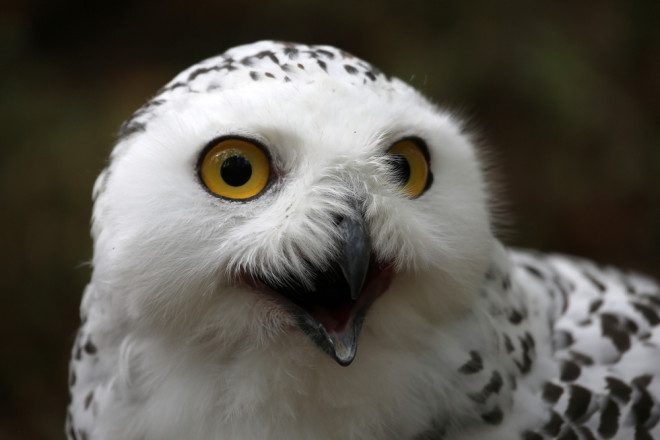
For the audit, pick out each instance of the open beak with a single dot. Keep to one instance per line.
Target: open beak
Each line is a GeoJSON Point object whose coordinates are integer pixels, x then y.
{"type": "Point", "coordinates": [332, 312]}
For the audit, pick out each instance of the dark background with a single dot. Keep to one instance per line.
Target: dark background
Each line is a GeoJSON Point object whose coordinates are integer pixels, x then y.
{"type": "Point", "coordinates": [566, 97]}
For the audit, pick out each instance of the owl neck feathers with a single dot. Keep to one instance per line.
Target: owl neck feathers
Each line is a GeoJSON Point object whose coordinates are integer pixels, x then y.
{"type": "Point", "coordinates": [461, 373]}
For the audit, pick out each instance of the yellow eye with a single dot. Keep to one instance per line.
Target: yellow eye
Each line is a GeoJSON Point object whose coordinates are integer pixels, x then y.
{"type": "Point", "coordinates": [410, 166]}
{"type": "Point", "coordinates": [235, 169]}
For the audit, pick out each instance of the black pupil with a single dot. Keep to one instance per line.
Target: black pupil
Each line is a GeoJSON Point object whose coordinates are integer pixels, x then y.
{"type": "Point", "coordinates": [401, 169]}
{"type": "Point", "coordinates": [236, 170]}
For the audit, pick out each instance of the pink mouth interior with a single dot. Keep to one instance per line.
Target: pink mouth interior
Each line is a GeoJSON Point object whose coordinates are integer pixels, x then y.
{"type": "Point", "coordinates": [336, 319]}
{"type": "Point", "coordinates": [338, 315]}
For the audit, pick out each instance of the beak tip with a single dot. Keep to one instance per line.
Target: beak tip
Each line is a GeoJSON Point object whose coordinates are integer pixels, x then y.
{"type": "Point", "coordinates": [343, 346]}
{"type": "Point", "coordinates": [344, 354]}
{"type": "Point", "coordinates": [345, 362]}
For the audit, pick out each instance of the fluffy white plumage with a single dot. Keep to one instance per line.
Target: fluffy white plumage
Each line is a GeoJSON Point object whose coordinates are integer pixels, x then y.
{"type": "Point", "coordinates": [468, 341]}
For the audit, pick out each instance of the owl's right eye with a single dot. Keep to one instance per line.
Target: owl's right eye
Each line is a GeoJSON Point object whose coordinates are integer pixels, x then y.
{"type": "Point", "coordinates": [235, 168]}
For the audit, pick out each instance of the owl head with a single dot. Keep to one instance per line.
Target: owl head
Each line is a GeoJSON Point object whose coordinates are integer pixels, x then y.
{"type": "Point", "coordinates": [283, 195]}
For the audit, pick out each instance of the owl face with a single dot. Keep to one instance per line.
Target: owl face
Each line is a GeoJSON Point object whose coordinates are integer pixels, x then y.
{"type": "Point", "coordinates": [280, 190]}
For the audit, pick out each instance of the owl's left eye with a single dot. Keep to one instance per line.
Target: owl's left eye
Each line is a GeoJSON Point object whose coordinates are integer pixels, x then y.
{"type": "Point", "coordinates": [409, 160]}
{"type": "Point", "coordinates": [235, 169]}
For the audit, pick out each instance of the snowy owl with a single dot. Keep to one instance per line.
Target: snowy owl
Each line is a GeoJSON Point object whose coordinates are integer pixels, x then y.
{"type": "Point", "coordinates": [290, 244]}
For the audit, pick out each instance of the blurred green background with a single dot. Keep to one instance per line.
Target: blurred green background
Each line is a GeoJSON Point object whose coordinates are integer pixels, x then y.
{"type": "Point", "coordinates": [564, 96]}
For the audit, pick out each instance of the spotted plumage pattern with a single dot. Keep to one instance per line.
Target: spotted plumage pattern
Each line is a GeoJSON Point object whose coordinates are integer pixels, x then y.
{"type": "Point", "coordinates": [470, 340]}
{"type": "Point", "coordinates": [264, 61]}
{"type": "Point", "coordinates": [605, 340]}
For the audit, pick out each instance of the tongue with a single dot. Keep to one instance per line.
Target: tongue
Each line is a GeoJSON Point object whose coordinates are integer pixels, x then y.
{"type": "Point", "coordinates": [334, 319]}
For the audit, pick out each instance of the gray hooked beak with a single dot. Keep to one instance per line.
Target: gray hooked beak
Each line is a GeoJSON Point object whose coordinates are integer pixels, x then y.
{"type": "Point", "coordinates": [332, 311]}
{"type": "Point", "coordinates": [355, 252]}
{"type": "Point", "coordinates": [335, 329]}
